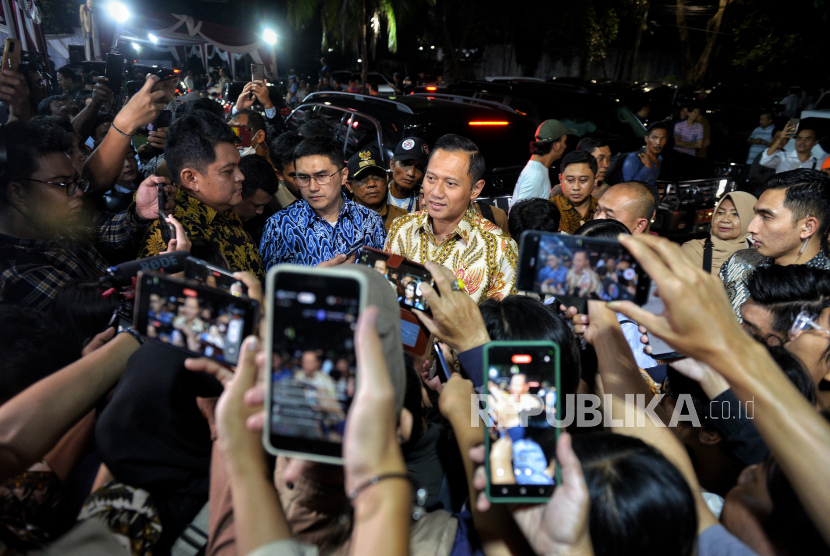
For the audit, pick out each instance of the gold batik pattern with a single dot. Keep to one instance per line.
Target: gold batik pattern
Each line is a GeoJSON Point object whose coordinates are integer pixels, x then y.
{"type": "Point", "coordinates": [478, 252]}
{"type": "Point", "coordinates": [222, 228]}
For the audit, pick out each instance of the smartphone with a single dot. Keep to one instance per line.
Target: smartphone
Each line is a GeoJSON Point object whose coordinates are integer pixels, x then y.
{"type": "Point", "coordinates": [213, 276]}
{"type": "Point", "coordinates": [575, 269]}
{"type": "Point", "coordinates": [243, 132]}
{"type": "Point", "coordinates": [523, 383]}
{"type": "Point", "coordinates": [660, 350]}
{"type": "Point", "coordinates": [11, 54]}
{"type": "Point", "coordinates": [133, 87]}
{"type": "Point", "coordinates": [405, 277]}
{"type": "Point", "coordinates": [310, 359]}
{"type": "Point", "coordinates": [114, 72]}
{"type": "Point", "coordinates": [168, 230]}
{"type": "Point", "coordinates": [164, 119]}
{"type": "Point", "coordinates": [355, 247]}
{"type": "Point", "coordinates": [792, 126]}
{"type": "Point", "coordinates": [257, 72]}
{"type": "Point", "coordinates": [445, 372]}
{"type": "Point", "coordinates": [193, 317]}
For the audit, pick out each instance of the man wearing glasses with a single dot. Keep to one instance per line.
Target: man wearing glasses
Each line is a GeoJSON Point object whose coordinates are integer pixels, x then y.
{"type": "Point", "coordinates": [320, 229]}
{"type": "Point", "coordinates": [41, 197]}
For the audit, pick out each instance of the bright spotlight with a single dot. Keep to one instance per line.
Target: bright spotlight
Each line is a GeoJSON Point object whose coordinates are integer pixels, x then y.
{"type": "Point", "coordinates": [137, 47]}
{"type": "Point", "coordinates": [118, 11]}
{"type": "Point", "coordinates": [270, 36]}
{"type": "Point", "coordinates": [153, 39]}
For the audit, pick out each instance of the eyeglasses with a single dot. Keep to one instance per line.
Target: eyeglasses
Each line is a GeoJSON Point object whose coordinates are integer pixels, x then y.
{"type": "Point", "coordinates": [304, 180]}
{"type": "Point", "coordinates": [805, 321]}
{"type": "Point", "coordinates": [72, 187]}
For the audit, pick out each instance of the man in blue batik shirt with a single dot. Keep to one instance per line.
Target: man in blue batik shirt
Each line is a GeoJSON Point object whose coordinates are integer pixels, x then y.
{"type": "Point", "coordinates": [319, 229]}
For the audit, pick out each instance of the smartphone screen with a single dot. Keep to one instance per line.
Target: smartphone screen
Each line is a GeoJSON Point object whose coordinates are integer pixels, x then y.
{"type": "Point", "coordinates": [312, 367]}
{"type": "Point", "coordinates": [574, 269]}
{"type": "Point", "coordinates": [523, 383]}
{"type": "Point", "coordinates": [405, 278]}
{"type": "Point", "coordinates": [213, 276]}
{"type": "Point", "coordinates": [444, 372]}
{"type": "Point", "coordinates": [192, 317]}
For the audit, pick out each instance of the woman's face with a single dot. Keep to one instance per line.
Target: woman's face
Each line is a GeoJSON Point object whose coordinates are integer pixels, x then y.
{"type": "Point", "coordinates": [129, 171]}
{"type": "Point", "coordinates": [410, 290]}
{"type": "Point", "coordinates": [726, 224]}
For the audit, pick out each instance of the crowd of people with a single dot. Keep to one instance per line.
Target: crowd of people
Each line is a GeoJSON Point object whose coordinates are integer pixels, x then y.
{"type": "Point", "coordinates": [115, 444]}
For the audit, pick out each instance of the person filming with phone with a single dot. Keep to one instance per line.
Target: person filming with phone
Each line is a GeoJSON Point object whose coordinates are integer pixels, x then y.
{"type": "Point", "coordinates": [802, 157]}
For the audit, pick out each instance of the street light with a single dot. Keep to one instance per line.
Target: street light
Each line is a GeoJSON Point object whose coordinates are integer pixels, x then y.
{"type": "Point", "coordinates": [270, 37]}
{"type": "Point", "coordinates": [118, 11]}
{"type": "Point", "coordinates": [153, 39]}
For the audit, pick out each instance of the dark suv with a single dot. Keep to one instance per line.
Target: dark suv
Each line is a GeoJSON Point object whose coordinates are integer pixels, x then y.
{"type": "Point", "coordinates": [361, 121]}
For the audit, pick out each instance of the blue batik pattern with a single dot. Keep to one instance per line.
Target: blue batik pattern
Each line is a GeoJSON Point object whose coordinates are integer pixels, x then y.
{"type": "Point", "coordinates": [297, 235]}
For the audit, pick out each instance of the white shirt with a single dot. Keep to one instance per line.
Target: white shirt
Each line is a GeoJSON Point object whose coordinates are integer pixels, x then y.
{"type": "Point", "coordinates": [784, 161]}
{"type": "Point", "coordinates": [759, 132]}
{"type": "Point", "coordinates": [409, 204]}
{"type": "Point", "coordinates": [533, 183]}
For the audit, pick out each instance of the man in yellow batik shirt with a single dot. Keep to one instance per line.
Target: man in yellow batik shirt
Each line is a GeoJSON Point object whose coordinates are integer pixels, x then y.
{"type": "Point", "coordinates": [449, 232]}
{"type": "Point", "coordinates": [204, 162]}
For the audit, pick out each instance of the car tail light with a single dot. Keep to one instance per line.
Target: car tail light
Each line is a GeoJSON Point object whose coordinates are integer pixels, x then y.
{"type": "Point", "coordinates": [285, 111]}
{"type": "Point", "coordinates": [432, 88]}
{"type": "Point", "coordinates": [489, 122]}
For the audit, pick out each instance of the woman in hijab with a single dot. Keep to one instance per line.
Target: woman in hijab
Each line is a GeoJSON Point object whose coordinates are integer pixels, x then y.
{"type": "Point", "coordinates": [728, 234]}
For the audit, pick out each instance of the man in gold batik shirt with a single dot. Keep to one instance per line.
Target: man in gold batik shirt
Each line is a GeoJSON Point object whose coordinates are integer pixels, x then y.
{"type": "Point", "coordinates": [204, 162]}
{"type": "Point", "coordinates": [449, 232]}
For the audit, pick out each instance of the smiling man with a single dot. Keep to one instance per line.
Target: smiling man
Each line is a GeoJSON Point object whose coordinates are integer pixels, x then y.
{"type": "Point", "coordinates": [449, 232]}
{"type": "Point", "coordinates": [202, 158]}
{"type": "Point", "coordinates": [791, 220]}
{"type": "Point", "coordinates": [320, 229]}
{"type": "Point", "coordinates": [367, 182]}
{"type": "Point", "coordinates": [575, 203]}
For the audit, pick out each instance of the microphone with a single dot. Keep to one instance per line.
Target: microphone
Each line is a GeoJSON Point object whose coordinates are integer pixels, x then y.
{"type": "Point", "coordinates": [122, 274]}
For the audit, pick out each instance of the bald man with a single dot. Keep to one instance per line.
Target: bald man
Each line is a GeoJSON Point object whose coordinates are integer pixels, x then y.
{"type": "Point", "coordinates": [630, 203]}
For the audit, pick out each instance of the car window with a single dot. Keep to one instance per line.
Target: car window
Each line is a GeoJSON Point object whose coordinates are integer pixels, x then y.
{"type": "Point", "coordinates": [362, 134]}
{"type": "Point", "coordinates": [334, 119]}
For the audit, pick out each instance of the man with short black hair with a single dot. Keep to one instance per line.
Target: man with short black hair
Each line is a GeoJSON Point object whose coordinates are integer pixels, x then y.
{"type": "Point", "coordinates": [70, 83]}
{"type": "Point", "coordinates": [281, 150]}
{"type": "Point", "coordinates": [58, 105]}
{"type": "Point", "coordinates": [407, 165]}
{"type": "Point", "coordinates": [629, 203]}
{"type": "Point", "coordinates": [790, 226]}
{"type": "Point", "coordinates": [259, 140]}
{"type": "Point", "coordinates": [367, 182]}
{"type": "Point", "coordinates": [202, 157]}
{"type": "Point", "coordinates": [41, 248]}
{"type": "Point", "coordinates": [645, 166]}
{"type": "Point", "coordinates": [600, 150]}
{"type": "Point", "coordinates": [533, 214]}
{"type": "Point", "coordinates": [320, 229]}
{"type": "Point", "coordinates": [448, 227]}
{"type": "Point", "coordinates": [258, 188]}
{"type": "Point", "coordinates": [802, 157]}
{"type": "Point", "coordinates": [576, 204]}
{"type": "Point", "coordinates": [548, 145]}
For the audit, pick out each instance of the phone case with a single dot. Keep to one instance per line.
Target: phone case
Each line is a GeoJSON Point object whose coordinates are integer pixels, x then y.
{"type": "Point", "coordinates": [11, 54]}
{"type": "Point", "coordinates": [487, 442]}
{"type": "Point", "coordinates": [271, 280]}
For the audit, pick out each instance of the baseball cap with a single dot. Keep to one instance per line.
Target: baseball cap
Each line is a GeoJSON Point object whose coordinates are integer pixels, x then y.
{"type": "Point", "coordinates": [550, 130]}
{"type": "Point", "coordinates": [413, 148]}
{"type": "Point", "coordinates": [364, 159]}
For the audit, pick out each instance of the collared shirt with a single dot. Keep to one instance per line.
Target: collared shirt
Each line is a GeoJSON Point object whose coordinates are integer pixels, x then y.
{"type": "Point", "coordinates": [634, 170]}
{"type": "Point", "coordinates": [409, 204]}
{"type": "Point", "coordinates": [688, 134]}
{"type": "Point", "coordinates": [738, 269]}
{"type": "Point", "coordinates": [297, 235]}
{"type": "Point", "coordinates": [285, 197]}
{"type": "Point", "coordinates": [389, 213]}
{"type": "Point", "coordinates": [477, 252]}
{"type": "Point", "coordinates": [32, 271]}
{"type": "Point", "coordinates": [222, 228]}
{"type": "Point", "coordinates": [570, 219]}
{"type": "Point", "coordinates": [764, 133]}
{"type": "Point", "coordinates": [533, 182]}
{"type": "Point", "coordinates": [784, 161]}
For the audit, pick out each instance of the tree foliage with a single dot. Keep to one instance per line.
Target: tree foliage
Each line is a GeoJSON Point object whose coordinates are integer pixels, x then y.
{"type": "Point", "coordinates": [59, 16]}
